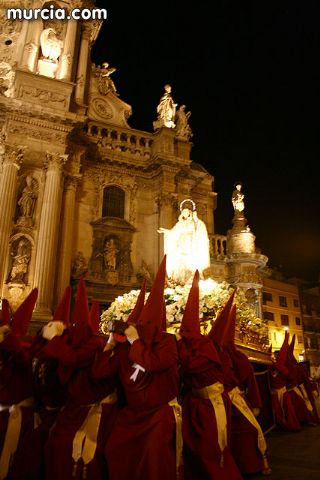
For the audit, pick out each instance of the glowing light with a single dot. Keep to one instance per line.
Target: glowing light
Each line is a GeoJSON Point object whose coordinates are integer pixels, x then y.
{"type": "Point", "coordinates": [207, 286]}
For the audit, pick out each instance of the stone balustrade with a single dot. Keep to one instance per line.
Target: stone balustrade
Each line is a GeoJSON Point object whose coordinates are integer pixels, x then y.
{"type": "Point", "coordinates": [121, 140]}
{"type": "Point", "coordinates": [218, 245]}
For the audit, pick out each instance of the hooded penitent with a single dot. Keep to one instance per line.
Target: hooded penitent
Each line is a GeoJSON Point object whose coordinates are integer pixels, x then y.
{"type": "Point", "coordinates": [241, 362]}
{"type": "Point", "coordinates": [80, 330]}
{"type": "Point", "coordinates": [281, 360]}
{"type": "Point", "coordinates": [151, 319]}
{"type": "Point", "coordinates": [190, 325]}
{"type": "Point", "coordinates": [22, 316]}
{"type": "Point", "coordinates": [133, 318]}
{"type": "Point", "coordinates": [5, 313]}
{"type": "Point", "coordinates": [217, 331]}
{"type": "Point", "coordinates": [62, 312]}
{"type": "Point", "coordinates": [94, 317]}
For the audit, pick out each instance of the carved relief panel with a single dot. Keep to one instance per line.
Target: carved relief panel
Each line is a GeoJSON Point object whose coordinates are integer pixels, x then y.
{"type": "Point", "coordinates": [111, 251]}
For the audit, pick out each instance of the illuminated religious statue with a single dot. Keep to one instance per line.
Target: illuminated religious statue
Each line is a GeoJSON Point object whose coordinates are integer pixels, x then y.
{"type": "Point", "coordinates": [186, 245]}
{"type": "Point", "coordinates": [51, 46]}
{"type": "Point", "coordinates": [166, 110]}
{"type": "Point", "coordinates": [106, 84]}
{"type": "Point", "coordinates": [238, 198]}
{"type": "Point", "coordinates": [183, 128]}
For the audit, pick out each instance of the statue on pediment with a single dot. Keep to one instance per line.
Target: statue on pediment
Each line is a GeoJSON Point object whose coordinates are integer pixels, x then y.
{"type": "Point", "coordinates": [182, 126]}
{"type": "Point", "coordinates": [238, 198]}
{"type": "Point", "coordinates": [105, 83]}
{"type": "Point", "coordinates": [166, 110]}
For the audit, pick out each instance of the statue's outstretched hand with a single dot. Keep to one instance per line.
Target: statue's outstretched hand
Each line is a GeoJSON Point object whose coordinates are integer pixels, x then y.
{"type": "Point", "coordinates": [162, 230]}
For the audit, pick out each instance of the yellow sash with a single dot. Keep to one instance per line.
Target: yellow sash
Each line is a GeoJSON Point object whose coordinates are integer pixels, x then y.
{"type": "Point", "coordinates": [214, 394]}
{"type": "Point", "coordinates": [280, 392]}
{"type": "Point", "coordinates": [301, 391]}
{"type": "Point", "coordinates": [12, 434]}
{"type": "Point", "coordinates": [85, 439]}
{"type": "Point", "coordinates": [177, 410]}
{"type": "Point", "coordinates": [239, 402]}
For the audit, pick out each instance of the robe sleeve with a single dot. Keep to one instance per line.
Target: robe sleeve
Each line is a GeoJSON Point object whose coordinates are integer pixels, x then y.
{"type": "Point", "coordinates": [70, 356]}
{"type": "Point", "coordinates": [160, 356]}
{"type": "Point", "coordinates": [12, 345]}
{"type": "Point", "coordinates": [106, 364]}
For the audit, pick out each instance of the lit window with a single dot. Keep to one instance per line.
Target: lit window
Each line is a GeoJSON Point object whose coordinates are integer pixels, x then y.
{"type": "Point", "coordinates": [266, 297]}
{"type": "Point", "coordinates": [282, 301]}
{"type": "Point", "coordinates": [113, 202]}
{"type": "Point", "coordinates": [268, 316]}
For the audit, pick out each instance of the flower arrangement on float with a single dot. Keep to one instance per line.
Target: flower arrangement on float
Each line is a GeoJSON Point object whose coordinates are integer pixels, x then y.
{"type": "Point", "coordinates": [212, 297]}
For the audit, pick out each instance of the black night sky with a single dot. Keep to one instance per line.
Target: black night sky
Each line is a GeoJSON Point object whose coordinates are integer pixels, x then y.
{"type": "Point", "coordinates": [249, 73]}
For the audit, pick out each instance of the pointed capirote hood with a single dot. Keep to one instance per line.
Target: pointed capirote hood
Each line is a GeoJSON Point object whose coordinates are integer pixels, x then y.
{"type": "Point", "coordinates": [5, 312]}
{"type": "Point", "coordinates": [151, 319]}
{"type": "Point", "coordinates": [291, 359]}
{"type": "Point", "coordinates": [217, 331]}
{"type": "Point", "coordinates": [230, 328]}
{"type": "Point", "coordinates": [281, 359]}
{"type": "Point", "coordinates": [137, 309]}
{"type": "Point", "coordinates": [62, 312]}
{"type": "Point", "coordinates": [81, 329]}
{"type": "Point", "coordinates": [22, 316]}
{"type": "Point", "coordinates": [94, 317]}
{"type": "Point", "coordinates": [241, 363]}
{"type": "Point", "coordinates": [190, 323]}
{"type": "Point", "coordinates": [133, 318]}
{"type": "Point", "coordinates": [80, 314]}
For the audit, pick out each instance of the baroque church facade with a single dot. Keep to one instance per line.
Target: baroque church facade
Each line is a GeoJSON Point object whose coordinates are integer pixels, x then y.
{"type": "Point", "coordinates": [82, 192]}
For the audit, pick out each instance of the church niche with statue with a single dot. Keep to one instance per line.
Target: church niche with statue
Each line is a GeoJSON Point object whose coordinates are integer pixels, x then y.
{"type": "Point", "coordinates": [83, 193]}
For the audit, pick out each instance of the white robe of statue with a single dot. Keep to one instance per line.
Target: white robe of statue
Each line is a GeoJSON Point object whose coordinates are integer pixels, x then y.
{"type": "Point", "coordinates": [186, 246]}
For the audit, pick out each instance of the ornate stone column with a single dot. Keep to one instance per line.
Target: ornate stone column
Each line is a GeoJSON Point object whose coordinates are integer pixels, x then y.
{"type": "Point", "coordinates": [46, 257]}
{"type": "Point", "coordinates": [66, 60]}
{"type": "Point", "coordinates": [65, 253]}
{"type": "Point", "coordinates": [8, 188]}
{"type": "Point", "coordinates": [32, 45]}
{"type": "Point", "coordinates": [83, 63]}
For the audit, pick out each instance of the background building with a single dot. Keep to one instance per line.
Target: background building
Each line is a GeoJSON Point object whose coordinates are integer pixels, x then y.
{"type": "Point", "coordinates": [282, 310]}
{"type": "Point", "coordinates": [310, 302]}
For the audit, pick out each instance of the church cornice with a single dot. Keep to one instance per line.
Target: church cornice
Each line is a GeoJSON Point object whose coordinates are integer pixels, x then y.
{"type": "Point", "coordinates": [39, 122]}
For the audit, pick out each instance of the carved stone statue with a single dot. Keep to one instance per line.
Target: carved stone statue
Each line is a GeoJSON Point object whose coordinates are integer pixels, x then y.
{"type": "Point", "coordinates": [182, 127]}
{"type": "Point", "coordinates": [79, 266]}
{"type": "Point", "coordinates": [125, 265]}
{"type": "Point", "coordinates": [105, 83]}
{"type": "Point", "coordinates": [28, 199]}
{"type": "Point", "coordinates": [144, 272]}
{"type": "Point", "coordinates": [166, 110]}
{"type": "Point", "coordinates": [110, 252]}
{"type": "Point", "coordinates": [21, 258]}
{"type": "Point", "coordinates": [238, 198]}
{"type": "Point", "coordinates": [51, 46]}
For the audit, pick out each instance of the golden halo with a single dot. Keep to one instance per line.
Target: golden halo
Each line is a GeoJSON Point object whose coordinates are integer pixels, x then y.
{"type": "Point", "coordinates": [190, 201]}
